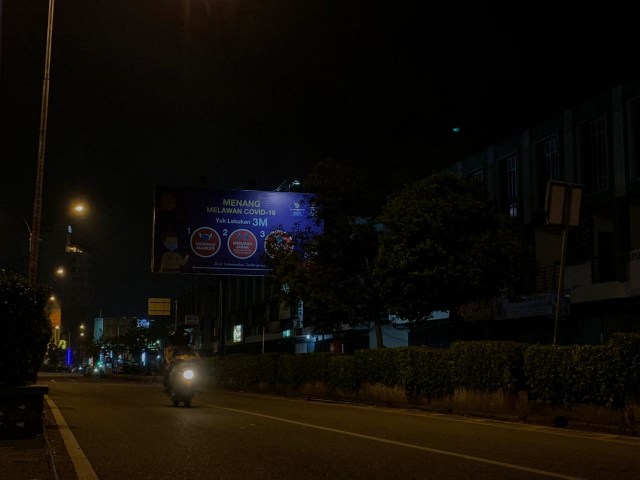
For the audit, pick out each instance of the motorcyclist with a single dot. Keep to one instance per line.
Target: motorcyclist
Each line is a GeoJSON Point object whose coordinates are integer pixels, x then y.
{"type": "Point", "coordinates": [177, 350]}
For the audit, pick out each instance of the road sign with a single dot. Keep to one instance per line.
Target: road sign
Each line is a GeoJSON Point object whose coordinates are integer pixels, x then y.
{"type": "Point", "coordinates": [159, 306]}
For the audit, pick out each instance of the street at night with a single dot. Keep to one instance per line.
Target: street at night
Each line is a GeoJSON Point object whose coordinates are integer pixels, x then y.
{"type": "Point", "coordinates": [131, 430]}
{"type": "Point", "coordinates": [422, 227]}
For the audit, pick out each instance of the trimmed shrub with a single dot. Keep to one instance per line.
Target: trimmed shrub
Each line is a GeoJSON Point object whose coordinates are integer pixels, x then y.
{"type": "Point", "coordinates": [342, 374]}
{"type": "Point", "coordinates": [488, 366]}
{"type": "Point", "coordinates": [430, 373]}
{"type": "Point", "coordinates": [578, 374]}
{"type": "Point", "coordinates": [381, 366]}
{"type": "Point", "coordinates": [25, 327]}
{"type": "Point", "coordinates": [626, 348]}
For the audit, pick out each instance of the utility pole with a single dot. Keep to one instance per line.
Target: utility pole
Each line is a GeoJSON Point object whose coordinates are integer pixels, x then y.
{"type": "Point", "coordinates": [34, 247]}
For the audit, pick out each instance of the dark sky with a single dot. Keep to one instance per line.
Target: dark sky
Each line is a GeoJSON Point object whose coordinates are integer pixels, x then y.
{"type": "Point", "coordinates": [236, 93]}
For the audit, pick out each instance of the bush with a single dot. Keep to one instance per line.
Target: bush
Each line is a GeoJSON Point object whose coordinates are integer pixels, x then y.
{"type": "Point", "coordinates": [25, 327]}
{"type": "Point", "coordinates": [626, 348]}
{"type": "Point", "coordinates": [488, 366]}
{"type": "Point", "coordinates": [576, 374]}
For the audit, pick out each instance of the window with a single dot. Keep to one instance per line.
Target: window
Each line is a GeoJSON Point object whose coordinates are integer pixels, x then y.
{"type": "Point", "coordinates": [510, 168]}
{"type": "Point", "coordinates": [548, 166]}
{"type": "Point", "coordinates": [597, 155]}
{"type": "Point", "coordinates": [634, 139]}
{"type": "Point", "coordinates": [551, 158]}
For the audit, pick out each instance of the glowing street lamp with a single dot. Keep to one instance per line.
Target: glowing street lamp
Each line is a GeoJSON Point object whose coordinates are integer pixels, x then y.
{"type": "Point", "coordinates": [79, 208]}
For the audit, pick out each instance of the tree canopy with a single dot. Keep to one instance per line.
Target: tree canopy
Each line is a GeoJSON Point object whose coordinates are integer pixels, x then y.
{"type": "Point", "coordinates": [330, 273]}
{"type": "Point", "coordinates": [435, 245]}
{"type": "Point", "coordinates": [442, 246]}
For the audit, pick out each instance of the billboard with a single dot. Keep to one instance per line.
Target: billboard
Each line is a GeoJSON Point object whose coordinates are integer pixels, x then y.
{"type": "Point", "coordinates": [225, 232]}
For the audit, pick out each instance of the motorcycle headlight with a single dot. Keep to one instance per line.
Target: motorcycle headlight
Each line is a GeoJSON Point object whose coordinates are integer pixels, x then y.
{"type": "Point", "coordinates": [187, 374]}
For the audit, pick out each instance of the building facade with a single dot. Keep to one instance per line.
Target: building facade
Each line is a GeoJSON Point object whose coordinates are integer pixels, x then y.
{"type": "Point", "coordinates": [69, 271]}
{"type": "Point", "coordinates": [596, 147]}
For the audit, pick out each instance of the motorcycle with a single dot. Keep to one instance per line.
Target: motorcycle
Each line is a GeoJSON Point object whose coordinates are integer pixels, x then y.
{"type": "Point", "coordinates": [183, 382]}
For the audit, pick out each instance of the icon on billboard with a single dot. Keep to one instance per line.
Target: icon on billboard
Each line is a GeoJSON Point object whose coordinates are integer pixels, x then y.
{"type": "Point", "coordinates": [205, 242]}
{"type": "Point", "coordinates": [242, 243]}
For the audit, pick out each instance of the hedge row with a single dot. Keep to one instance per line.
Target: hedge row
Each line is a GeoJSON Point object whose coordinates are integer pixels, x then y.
{"type": "Point", "coordinates": [604, 375]}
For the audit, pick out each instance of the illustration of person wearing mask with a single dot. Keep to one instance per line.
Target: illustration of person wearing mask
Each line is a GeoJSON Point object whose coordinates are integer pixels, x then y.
{"type": "Point", "coordinates": [171, 260]}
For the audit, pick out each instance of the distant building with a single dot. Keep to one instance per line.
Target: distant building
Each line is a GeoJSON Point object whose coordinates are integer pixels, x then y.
{"type": "Point", "coordinates": [69, 271]}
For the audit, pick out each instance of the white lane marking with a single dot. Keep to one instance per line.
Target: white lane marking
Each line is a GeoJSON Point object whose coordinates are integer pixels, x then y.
{"type": "Point", "coordinates": [606, 437]}
{"type": "Point", "coordinates": [83, 468]}
{"type": "Point", "coordinates": [408, 445]}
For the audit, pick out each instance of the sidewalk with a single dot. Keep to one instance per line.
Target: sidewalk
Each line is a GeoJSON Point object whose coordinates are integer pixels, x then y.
{"type": "Point", "coordinates": [43, 457]}
{"type": "Point", "coordinates": [26, 459]}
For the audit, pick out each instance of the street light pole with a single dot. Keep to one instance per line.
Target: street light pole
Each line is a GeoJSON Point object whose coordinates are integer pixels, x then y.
{"type": "Point", "coordinates": [37, 200]}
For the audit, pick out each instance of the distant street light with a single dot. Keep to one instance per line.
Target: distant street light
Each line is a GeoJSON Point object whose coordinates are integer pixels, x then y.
{"type": "Point", "coordinates": [44, 111]}
{"type": "Point", "coordinates": [79, 209]}
{"type": "Point", "coordinates": [286, 186]}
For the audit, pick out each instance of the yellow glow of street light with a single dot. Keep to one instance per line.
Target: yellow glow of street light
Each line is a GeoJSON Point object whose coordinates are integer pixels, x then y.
{"type": "Point", "coordinates": [60, 271]}
{"type": "Point", "coordinates": [78, 208]}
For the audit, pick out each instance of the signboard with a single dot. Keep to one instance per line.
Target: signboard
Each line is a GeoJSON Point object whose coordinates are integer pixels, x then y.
{"type": "Point", "coordinates": [192, 320]}
{"type": "Point", "coordinates": [225, 232]}
{"type": "Point", "coordinates": [159, 306]}
{"type": "Point", "coordinates": [562, 203]}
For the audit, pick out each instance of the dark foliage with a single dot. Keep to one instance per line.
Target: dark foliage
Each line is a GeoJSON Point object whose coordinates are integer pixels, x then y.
{"type": "Point", "coordinates": [26, 329]}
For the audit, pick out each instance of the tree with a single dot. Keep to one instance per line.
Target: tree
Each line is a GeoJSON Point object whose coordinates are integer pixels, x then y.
{"type": "Point", "coordinates": [138, 339]}
{"type": "Point", "coordinates": [135, 341]}
{"type": "Point", "coordinates": [443, 246]}
{"type": "Point", "coordinates": [331, 272]}
{"type": "Point", "coordinates": [92, 348]}
{"type": "Point", "coordinates": [55, 355]}
{"type": "Point", "coordinates": [25, 327]}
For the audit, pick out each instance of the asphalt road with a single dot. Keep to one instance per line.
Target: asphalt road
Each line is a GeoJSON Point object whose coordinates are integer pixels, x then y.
{"type": "Point", "coordinates": [131, 430]}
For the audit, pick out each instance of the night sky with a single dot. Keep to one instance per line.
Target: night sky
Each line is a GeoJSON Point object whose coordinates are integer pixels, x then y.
{"type": "Point", "coordinates": [237, 93]}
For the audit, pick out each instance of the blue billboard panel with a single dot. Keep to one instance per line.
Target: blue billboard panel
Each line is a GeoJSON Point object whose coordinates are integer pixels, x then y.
{"type": "Point", "coordinates": [225, 232]}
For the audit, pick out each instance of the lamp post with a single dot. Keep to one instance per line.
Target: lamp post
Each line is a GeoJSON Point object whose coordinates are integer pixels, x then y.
{"type": "Point", "coordinates": [37, 199]}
